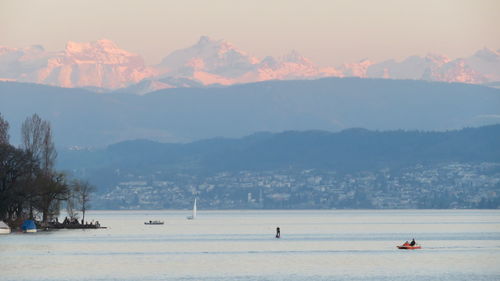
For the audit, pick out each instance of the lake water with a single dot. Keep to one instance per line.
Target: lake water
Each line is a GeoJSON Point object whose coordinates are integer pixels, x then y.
{"type": "Point", "coordinates": [240, 245]}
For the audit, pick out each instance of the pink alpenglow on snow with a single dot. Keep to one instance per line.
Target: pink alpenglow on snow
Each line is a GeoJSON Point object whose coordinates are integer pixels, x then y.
{"type": "Point", "coordinates": [103, 64]}
{"type": "Point", "coordinates": [220, 62]}
{"type": "Point", "coordinates": [95, 64]}
{"type": "Point", "coordinates": [100, 64]}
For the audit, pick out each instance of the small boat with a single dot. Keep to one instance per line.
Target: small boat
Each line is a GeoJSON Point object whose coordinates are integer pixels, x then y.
{"type": "Point", "coordinates": [154, 222]}
{"type": "Point", "coordinates": [4, 228]}
{"type": "Point", "coordinates": [29, 226]}
{"type": "Point", "coordinates": [193, 216]}
{"type": "Point", "coordinates": [407, 246]}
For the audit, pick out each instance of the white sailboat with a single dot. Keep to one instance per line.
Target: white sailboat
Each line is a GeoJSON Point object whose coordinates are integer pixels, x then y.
{"type": "Point", "coordinates": [193, 216]}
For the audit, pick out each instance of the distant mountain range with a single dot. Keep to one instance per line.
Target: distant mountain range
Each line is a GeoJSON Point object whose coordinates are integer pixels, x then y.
{"type": "Point", "coordinates": [103, 65]}
{"type": "Point", "coordinates": [84, 118]}
{"type": "Point", "coordinates": [349, 150]}
{"type": "Point", "coordinates": [98, 64]}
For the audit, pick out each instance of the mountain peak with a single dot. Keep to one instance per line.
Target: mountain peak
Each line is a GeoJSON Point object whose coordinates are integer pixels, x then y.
{"type": "Point", "coordinates": [36, 48]}
{"type": "Point", "coordinates": [437, 58]}
{"type": "Point", "coordinates": [221, 45]}
{"type": "Point", "coordinates": [208, 59]}
{"type": "Point", "coordinates": [101, 63]}
{"type": "Point", "coordinates": [357, 69]}
{"type": "Point", "coordinates": [105, 44]}
{"type": "Point", "coordinates": [295, 56]}
{"type": "Point", "coordinates": [488, 54]}
{"type": "Point", "coordinates": [205, 40]}
{"type": "Point", "coordinates": [101, 45]}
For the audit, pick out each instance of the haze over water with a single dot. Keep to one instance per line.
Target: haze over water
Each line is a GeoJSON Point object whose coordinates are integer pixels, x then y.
{"type": "Point", "coordinates": [240, 245]}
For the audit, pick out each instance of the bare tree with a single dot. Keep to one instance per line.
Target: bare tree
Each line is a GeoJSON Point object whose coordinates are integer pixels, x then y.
{"type": "Point", "coordinates": [37, 140]}
{"type": "Point", "coordinates": [49, 187]}
{"type": "Point", "coordinates": [49, 152]}
{"type": "Point", "coordinates": [4, 130]}
{"type": "Point", "coordinates": [31, 133]}
{"type": "Point", "coordinates": [83, 190]}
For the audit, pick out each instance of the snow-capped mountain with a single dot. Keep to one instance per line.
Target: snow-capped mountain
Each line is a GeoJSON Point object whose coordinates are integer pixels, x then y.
{"type": "Point", "coordinates": [150, 85]}
{"type": "Point", "coordinates": [454, 71]}
{"type": "Point", "coordinates": [102, 64]}
{"type": "Point", "coordinates": [432, 67]}
{"type": "Point", "coordinates": [291, 66]}
{"type": "Point", "coordinates": [95, 64]}
{"type": "Point", "coordinates": [219, 58]}
{"type": "Point", "coordinates": [220, 62]}
{"type": "Point", "coordinates": [486, 62]}
{"type": "Point", "coordinates": [357, 69]}
{"type": "Point", "coordinates": [413, 67]}
{"type": "Point", "coordinates": [21, 63]}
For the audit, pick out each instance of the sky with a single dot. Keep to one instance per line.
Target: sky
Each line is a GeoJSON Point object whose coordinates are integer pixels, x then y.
{"type": "Point", "coordinates": [328, 32]}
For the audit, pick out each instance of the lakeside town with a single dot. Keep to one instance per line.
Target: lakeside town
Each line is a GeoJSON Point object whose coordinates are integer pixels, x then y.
{"type": "Point", "coordinates": [445, 185]}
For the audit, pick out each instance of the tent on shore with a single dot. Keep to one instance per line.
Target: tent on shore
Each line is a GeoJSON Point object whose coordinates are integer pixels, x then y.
{"type": "Point", "coordinates": [29, 226]}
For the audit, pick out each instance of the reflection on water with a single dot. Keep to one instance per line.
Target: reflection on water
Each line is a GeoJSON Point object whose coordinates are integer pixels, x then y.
{"type": "Point", "coordinates": [240, 245]}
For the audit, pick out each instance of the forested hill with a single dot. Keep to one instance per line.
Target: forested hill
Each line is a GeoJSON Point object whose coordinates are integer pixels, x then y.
{"type": "Point", "coordinates": [349, 150]}
{"type": "Point", "coordinates": [80, 117]}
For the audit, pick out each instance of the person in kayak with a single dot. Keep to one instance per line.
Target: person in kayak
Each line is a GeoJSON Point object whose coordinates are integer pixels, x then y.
{"type": "Point", "coordinates": [412, 243]}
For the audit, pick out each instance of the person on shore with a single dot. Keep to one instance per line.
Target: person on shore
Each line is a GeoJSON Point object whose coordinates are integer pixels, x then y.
{"type": "Point", "coordinates": [278, 232]}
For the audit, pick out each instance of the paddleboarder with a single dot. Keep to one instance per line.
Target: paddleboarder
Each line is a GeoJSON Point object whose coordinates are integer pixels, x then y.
{"type": "Point", "coordinates": [278, 233]}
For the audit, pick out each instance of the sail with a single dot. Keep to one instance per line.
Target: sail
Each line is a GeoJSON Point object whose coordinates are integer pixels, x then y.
{"type": "Point", "coordinates": [193, 216]}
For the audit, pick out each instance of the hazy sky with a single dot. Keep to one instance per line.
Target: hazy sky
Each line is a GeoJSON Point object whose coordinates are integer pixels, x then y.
{"type": "Point", "coordinates": [329, 32]}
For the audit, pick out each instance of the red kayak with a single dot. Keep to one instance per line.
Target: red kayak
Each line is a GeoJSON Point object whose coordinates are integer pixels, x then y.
{"type": "Point", "coordinates": [409, 247]}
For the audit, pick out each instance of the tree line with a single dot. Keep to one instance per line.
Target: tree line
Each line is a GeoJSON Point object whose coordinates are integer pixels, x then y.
{"type": "Point", "coordinates": [30, 186]}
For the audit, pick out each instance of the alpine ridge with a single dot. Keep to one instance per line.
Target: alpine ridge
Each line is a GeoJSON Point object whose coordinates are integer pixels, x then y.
{"type": "Point", "coordinates": [98, 64]}
{"type": "Point", "coordinates": [102, 64]}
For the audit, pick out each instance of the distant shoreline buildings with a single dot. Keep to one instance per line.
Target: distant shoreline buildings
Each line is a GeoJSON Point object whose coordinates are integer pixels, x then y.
{"type": "Point", "coordinates": [442, 186]}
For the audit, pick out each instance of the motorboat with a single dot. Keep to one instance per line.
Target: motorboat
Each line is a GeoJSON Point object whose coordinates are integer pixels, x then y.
{"type": "Point", "coordinates": [156, 222]}
{"type": "Point", "coordinates": [408, 246]}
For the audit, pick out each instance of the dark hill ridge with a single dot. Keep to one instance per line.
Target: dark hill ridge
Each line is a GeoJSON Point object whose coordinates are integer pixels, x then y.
{"type": "Point", "coordinates": [80, 117]}
{"type": "Point", "coordinates": [349, 150]}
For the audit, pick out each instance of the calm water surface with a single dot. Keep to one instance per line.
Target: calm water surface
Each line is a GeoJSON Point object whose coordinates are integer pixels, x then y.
{"type": "Point", "coordinates": [240, 245]}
